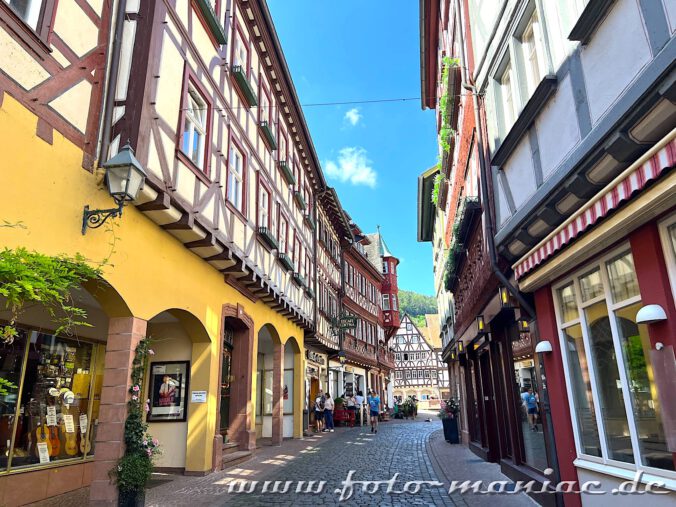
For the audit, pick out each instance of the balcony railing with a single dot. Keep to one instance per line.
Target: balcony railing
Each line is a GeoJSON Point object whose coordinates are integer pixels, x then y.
{"type": "Point", "coordinates": [286, 171]}
{"type": "Point", "coordinates": [268, 238]}
{"type": "Point", "coordinates": [268, 135]}
{"type": "Point", "coordinates": [285, 261]}
{"type": "Point", "coordinates": [244, 86]}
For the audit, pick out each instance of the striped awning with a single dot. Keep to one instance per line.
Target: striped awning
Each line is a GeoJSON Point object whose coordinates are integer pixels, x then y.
{"type": "Point", "coordinates": [600, 206]}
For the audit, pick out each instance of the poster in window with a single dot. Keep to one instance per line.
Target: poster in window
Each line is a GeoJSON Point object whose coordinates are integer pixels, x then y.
{"type": "Point", "coordinates": [168, 387]}
{"type": "Point", "coordinates": [288, 391]}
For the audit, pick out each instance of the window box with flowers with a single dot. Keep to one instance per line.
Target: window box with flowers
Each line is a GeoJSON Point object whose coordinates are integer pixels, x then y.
{"type": "Point", "coordinates": [244, 86]}
{"type": "Point", "coordinates": [210, 19]}
{"type": "Point", "coordinates": [298, 197]}
{"type": "Point", "coordinates": [286, 172]}
{"type": "Point", "coordinates": [298, 278]}
{"type": "Point", "coordinates": [268, 135]}
{"type": "Point", "coordinates": [285, 261]}
{"type": "Point", "coordinates": [309, 221]}
{"type": "Point", "coordinates": [267, 237]}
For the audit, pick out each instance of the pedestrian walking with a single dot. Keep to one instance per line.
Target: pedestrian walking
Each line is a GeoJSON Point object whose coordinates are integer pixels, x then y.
{"type": "Point", "coordinates": [328, 413]}
{"type": "Point", "coordinates": [374, 410]}
{"type": "Point", "coordinates": [319, 410]}
{"type": "Point", "coordinates": [360, 405]}
{"type": "Point", "coordinates": [530, 403]}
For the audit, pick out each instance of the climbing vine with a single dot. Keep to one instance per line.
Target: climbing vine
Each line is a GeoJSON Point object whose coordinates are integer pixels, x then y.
{"type": "Point", "coordinates": [134, 469]}
{"type": "Point", "coordinates": [445, 131]}
{"type": "Point", "coordinates": [438, 179]}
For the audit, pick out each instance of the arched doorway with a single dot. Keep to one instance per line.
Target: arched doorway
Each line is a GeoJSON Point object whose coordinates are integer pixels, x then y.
{"type": "Point", "coordinates": [269, 378]}
{"type": "Point", "coordinates": [291, 390]}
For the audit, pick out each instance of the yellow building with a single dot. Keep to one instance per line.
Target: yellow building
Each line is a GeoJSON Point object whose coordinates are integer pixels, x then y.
{"type": "Point", "coordinates": [214, 260]}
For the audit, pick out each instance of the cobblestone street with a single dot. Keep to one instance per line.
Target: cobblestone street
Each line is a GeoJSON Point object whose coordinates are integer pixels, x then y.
{"type": "Point", "coordinates": [411, 451]}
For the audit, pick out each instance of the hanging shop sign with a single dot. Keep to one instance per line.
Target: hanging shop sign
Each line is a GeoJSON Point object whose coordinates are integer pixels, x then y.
{"type": "Point", "coordinates": [315, 357]}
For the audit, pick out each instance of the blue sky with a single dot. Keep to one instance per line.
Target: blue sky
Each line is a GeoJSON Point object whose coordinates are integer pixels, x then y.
{"type": "Point", "coordinates": [349, 50]}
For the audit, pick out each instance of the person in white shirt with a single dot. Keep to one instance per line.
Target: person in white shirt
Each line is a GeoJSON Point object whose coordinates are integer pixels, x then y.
{"type": "Point", "coordinates": [360, 404]}
{"type": "Point", "coordinates": [328, 413]}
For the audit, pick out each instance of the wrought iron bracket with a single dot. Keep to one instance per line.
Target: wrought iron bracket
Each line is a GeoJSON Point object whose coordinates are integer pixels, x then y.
{"type": "Point", "coordinates": [93, 219]}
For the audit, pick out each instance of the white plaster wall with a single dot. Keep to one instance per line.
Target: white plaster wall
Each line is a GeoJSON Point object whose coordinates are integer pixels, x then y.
{"type": "Point", "coordinates": [608, 483]}
{"type": "Point", "coordinates": [502, 208]}
{"type": "Point", "coordinates": [557, 128]}
{"type": "Point", "coordinates": [519, 172]}
{"type": "Point", "coordinates": [617, 53]}
{"type": "Point", "coordinates": [170, 343]}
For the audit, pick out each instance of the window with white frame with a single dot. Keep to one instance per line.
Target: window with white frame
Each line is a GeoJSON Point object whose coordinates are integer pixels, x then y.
{"type": "Point", "coordinates": [434, 373]}
{"type": "Point", "coordinates": [668, 233]}
{"type": "Point", "coordinates": [507, 98]}
{"type": "Point", "coordinates": [195, 127]}
{"type": "Point", "coordinates": [394, 303]}
{"type": "Point", "coordinates": [283, 234]}
{"type": "Point", "coordinates": [281, 151]}
{"type": "Point", "coordinates": [616, 410]}
{"type": "Point", "coordinates": [397, 374]}
{"type": "Point", "coordinates": [385, 267]}
{"type": "Point", "coordinates": [263, 206]}
{"type": "Point", "coordinates": [531, 46]}
{"type": "Point", "coordinates": [409, 326]}
{"type": "Point", "coordinates": [386, 302]}
{"type": "Point", "coordinates": [236, 178]}
{"type": "Point", "coordinates": [240, 56]}
{"type": "Point", "coordinates": [408, 374]}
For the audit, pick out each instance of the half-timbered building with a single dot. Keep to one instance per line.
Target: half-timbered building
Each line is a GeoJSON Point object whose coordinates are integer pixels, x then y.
{"type": "Point", "coordinates": [419, 370]}
{"type": "Point", "coordinates": [214, 259]}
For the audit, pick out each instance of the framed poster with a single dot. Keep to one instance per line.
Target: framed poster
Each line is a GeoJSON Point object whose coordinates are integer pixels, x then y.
{"type": "Point", "coordinates": [168, 388]}
{"type": "Point", "coordinates": [287, 392]}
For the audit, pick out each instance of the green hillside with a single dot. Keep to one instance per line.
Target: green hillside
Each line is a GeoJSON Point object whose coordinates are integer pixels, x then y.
{"type": "Point", "coordinates": [416, 305]}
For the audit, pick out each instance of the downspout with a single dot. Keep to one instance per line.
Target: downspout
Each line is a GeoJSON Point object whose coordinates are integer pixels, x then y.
{"type": "Point", "coordinates": [112, 80]}
{"type": "Point", "coordinates": [493, 256]}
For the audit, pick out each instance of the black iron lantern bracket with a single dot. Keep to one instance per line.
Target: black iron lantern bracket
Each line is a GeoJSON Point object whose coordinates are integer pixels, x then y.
{"type": "Point", "coordinates": [93, 219]}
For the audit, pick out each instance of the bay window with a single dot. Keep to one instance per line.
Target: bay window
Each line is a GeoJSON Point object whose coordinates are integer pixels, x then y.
{"type": "Point", "coordinates": [394, 303]}
{"type": "Point", "coordinates": [386, 302]}
{"type": "Point", "coordinates": [235, 193]}
{"type": "Point", "coordinates": [612, 391]}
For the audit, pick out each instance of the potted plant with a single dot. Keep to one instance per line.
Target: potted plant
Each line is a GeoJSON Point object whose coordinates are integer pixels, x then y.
{"type": "Point", "coordinates": [134, 469]}
{"type": "Point", "coordinates": [449, 418]}
{"type": "Point", "coordinates": [339, 403]}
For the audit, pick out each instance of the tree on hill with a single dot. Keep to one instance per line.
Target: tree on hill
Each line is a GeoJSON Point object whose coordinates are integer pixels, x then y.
{"type": "Point", "coordinates": [416, 306]}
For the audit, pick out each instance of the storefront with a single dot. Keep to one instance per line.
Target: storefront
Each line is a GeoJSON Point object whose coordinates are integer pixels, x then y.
{"type": "Point", "coordinates": [605, 305]}
{"type": "Point", "coordinates": [316, 379]}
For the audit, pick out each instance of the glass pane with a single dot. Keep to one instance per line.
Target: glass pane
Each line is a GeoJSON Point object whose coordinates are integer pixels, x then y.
{"type": "Point", "coordinates": [582, 393]}
{"type": "Point", "coordinates": [55, 394]}
{"type": "Point", "coordinates": [185, 145]}
{"type": "Point", "coordinates": [608, 384]}
{"type": "Point", "coordinates": [591, 285]}
{"type": "Point", "coordinates": [568, 305]}
{"type": "Point", "coordinates": [672, 235]}
{"type": "Point", "coordinates": [28, 10]}
{"type": "Point", "coordinates": [11, 362]}
{"type": "Point", "coordinates": [623, 283]}
{"type": "Point", "coordinates": [195, 155]}
{"type": "Point", "coordinates": [644, 399]}
{"type": "Point", "coordinates": [528, 396]}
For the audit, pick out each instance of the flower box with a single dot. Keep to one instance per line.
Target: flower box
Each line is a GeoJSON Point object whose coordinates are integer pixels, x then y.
{"type": "Point", "coordinates": [298, 197]}
{"type": "Point", "coordinates": [267, 237]}
{"type": "Point", "coordinates": [285, 261]}
{"type": "Point", "coordinates": [286, 172]}
{"type": "Point", "coordinates": [244, 86]}
{"type": "Point", "coordinates": [268, 134]}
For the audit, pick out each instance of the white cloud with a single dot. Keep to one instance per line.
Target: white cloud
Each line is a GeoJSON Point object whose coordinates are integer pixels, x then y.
{"type": "Point", "coordinates": [352, 166]}
{"type": "Point", "coordinates": [352, 116]}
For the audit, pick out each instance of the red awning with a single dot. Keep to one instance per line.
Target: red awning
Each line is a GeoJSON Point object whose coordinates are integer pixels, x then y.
{"type": "Point", "coordinates": [601, 205]}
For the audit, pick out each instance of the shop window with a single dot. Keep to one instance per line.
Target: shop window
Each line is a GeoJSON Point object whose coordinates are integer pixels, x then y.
{"type": "Point", "coordinates": [668, 233]}
{"type": "Point", "coordinates": [609, 370]}
{"type": "Point", "coordinates": [54, 419]}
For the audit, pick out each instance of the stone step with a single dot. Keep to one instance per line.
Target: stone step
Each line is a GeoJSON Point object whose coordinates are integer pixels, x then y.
{"type": "Point", "coordinates": [235, 458]}
{"type": "Point", "coordinates": [230, 447]}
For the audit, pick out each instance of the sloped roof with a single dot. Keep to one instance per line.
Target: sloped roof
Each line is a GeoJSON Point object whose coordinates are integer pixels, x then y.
{"type": "Point", "coordinates": [433, 330]}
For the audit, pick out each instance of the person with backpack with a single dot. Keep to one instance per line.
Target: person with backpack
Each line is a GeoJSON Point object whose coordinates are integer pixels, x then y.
{"type": "Point", "coordinates": [320, 400]}
{"type": "Point", "coordinates": [374, 409]}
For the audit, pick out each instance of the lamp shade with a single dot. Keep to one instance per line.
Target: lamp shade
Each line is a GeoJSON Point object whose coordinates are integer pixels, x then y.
{"type": "Point", "coordinates": [650, 314]}
{"type": "Point", "coordinates": [341, 357]}
{"type": "Point", "coordinates": [543, 346]}
{"type": "Point", "coordinates": [125, 175]}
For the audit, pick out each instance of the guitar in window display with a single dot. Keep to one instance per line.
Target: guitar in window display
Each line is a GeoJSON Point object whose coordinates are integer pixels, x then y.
{"type": "Point", "coordinates": [42, 437]}
{"type": "Point", "coordinates": [70, 446]}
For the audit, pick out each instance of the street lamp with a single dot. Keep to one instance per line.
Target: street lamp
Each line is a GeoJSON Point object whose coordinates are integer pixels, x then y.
{"type": "Point", "coordinates": [125, 177]}
{"type": "Point", "coordinates": [341, 357]}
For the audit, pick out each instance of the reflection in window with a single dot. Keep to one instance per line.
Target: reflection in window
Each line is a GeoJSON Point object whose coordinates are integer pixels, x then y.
{"type": "Point", "coordinates": [591, 285]}
{"type": "Point", "coordinates": [623, 283]}
{"type": "Point", "coordinates": [568, 304]}
{"type": "Point", "coordinates": [608, 383]}
{"type": "Point", "coordinates": [582, 393]}
{"type": "Point", "coordinates": [644, 400]}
